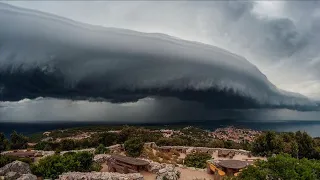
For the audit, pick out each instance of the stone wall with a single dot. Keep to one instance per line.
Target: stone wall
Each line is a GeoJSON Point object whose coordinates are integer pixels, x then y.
{"type": "Point", "coordinates": [188, 149]}
{"type": "Point", "coordinates": [90, 150]}
{"type": "Point", "coordinates": [100, 176]}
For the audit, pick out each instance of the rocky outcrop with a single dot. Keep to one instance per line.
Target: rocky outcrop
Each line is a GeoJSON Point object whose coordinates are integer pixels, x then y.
{"type": "Point", "coordinates": [100, 176]}
{"type": "Point", "coordinates": [116, 148]}
{"type": "Point", "coordinates": [101, 158]}
{"type": "Point", "coordinates": [12, 175]}
{"type": "Point", "coordinates": [15, 166]}
{"type": "Point", "coordinates": [169, 172]}
{"type": "Point", "coordinates": [17, 170]}
{"type": "Point", "coordinates": [27, 177]}
{"type": "Point", "coordinates": [154, 167]}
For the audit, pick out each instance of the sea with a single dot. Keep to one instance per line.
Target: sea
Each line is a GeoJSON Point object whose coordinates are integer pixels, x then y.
{"type": "Point", "coordinates": [311, 127]}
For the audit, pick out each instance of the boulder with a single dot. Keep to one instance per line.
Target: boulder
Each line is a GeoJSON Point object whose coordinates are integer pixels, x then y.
{"type": "Point", "coordinates": [12, 175]}
{"type": "Point", "coordinates": [169, 172]}
{"type": "Point", "coordinates": [15, 166]}
{"type": "Point", "coordinates": [27, 177]}
{"type": "Point", "coordinates": [154, 167]}
{"type": "Point", "coordinates": [189, 150]}
{"type": "Point", "coordinates": [101, 158]}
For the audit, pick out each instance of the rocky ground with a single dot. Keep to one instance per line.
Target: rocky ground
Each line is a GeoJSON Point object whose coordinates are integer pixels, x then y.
{"type": "Point", "coordinates": [100, 176]}
{"type": "Point", "coordinates": [17, 170]}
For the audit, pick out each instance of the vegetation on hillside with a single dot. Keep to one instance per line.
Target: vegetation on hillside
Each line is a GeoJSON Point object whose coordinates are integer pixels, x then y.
{"type": "Point", "coordinates": [133, 146]}
{"type": "Point", "coordinates": [53, 166]}
{"type": "Point", "coordinates": [4, 159]}
{"type": "Point", "coordinates": [284, 167]}
{"type": "Point", "coordinates": [299, 145]}
{"type": "Point", "coordinates": [197, 160]}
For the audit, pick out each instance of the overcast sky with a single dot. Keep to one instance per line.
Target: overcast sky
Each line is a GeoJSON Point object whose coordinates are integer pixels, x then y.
{"type": "Point", "coordinates": [280, 37]}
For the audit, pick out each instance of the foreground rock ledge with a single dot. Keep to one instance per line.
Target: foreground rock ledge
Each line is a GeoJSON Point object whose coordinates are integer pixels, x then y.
{"type": "Point", "coordinates": [17, 170]}
{"type": "Point", "coordinates": [100, 176]}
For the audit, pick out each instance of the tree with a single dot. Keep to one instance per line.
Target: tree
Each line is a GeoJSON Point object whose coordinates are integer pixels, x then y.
{"type": "Point", "coordinates": [133, 147]}
{"type": "Point", "coordinates": [282, 166]}
{"type": "Point", "coordinates": [101, 149]}
{"type": "Point", "coordinates": [67, 144]}
{"type": "Point", "coordinates": [267, 144]}
{"type": "Point", "coordinates": [3, 142]}
{"type": "Point", "coordinates": [18, 141]}
{"type": "Point", "coordinates": [108, 138]}
{"type": "Point", "coordinates": [305, 145]}
{"type": "Point", "coordinates": [197, 160]}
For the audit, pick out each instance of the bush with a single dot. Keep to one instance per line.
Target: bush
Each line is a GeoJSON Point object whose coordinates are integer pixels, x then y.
{"type": "Point", "coordinates": [133, 147]}
{"type": "Point", "coordinates": [108, 139]}
{"type": "Point", "coordinates": [197, 160]}
{"type": "Point", "coordinates": [3, 142]}
{"type": "Point", "coordinates": [101, 149]}
{"type": "Point", "coordinates": [67, 145]}
{"type": "Point", "coordinates": [53, 166]}
{"type": "Point", "coordinates": [18, 141]}
{"type": "Point", "coordinates": [8, 159]}
{"type": "Point", "coordinates": [282, 166]}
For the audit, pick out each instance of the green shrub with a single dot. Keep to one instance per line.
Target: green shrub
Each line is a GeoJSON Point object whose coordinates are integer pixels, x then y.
{"type": "Point", "coordinates": [108, 138]}
{"type": "Point", "coordinates": [18, 141]}
{"type": "Point", "coordinates": [133, 147]}
{"type": "Point", "coordinates": [101, 149]}
{"type": "Point", "coordinates": [282, 166]}
{"type": "Point", "coordinates": [4, 159]}
{"type": "Point", "coordinates": [197, 160]}
{"type": "Point", "coordinates": [53, 166]}
{"type": "Point", "coordinates": [4, 143]}
{"type": "Point", "coordinates": [96, 167]}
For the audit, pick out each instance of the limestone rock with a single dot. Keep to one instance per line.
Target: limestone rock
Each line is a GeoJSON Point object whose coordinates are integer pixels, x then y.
{"type": "Point", "coordinates": [12, 175]}
{"type": "Point", "coordinates": [154, 167]}
{"type": "Point", "coordinates": [15, 166]}
{"type": "Point", "coordinates": [27, 177]}
{"type": "Point", "coordinates": [100, 176]}
{"type": "Point", "coordinates": [169, 172]}
{"type": "Point", "coordinates": [101, 158]}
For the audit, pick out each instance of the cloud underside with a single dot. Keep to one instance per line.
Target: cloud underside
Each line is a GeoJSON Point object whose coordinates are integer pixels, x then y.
{"type": "Point", "coordinates": [147, 110]}
{"type": "Point", "coordinates": [48, 56]}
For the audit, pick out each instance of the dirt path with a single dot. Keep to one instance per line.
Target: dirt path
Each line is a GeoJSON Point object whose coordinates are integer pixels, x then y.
{"type": "Point", "coordinates": [148, 175]}
{"type": "Point", "coordinates": [104, 167]}
{"type": "Point", "coordinates": [188, 174]}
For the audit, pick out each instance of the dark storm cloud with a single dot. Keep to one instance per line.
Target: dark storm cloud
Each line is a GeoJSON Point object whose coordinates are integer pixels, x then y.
{"type": "Point", "coordinates": [45, 55]}
{"type": "Point", "coordinates": [279, 37]}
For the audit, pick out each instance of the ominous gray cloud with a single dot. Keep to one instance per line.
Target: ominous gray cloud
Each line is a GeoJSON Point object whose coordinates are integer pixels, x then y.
{"type": "Point", "coordinates": [148, 110]}
{"type": "Point", "coordinates": [279, 37]}
{"type": "Point", "coordinates": [145, 110]}
{"type": "Point", "coordinates": [44, 55]}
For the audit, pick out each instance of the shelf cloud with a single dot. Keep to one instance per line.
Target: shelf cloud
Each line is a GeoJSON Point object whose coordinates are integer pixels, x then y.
{"type": "Point", "coordinates": [43, 55]}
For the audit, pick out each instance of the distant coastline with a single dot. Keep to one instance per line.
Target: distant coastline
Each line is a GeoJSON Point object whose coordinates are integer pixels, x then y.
{"type": "Point", "coordinates": [29, 128]}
